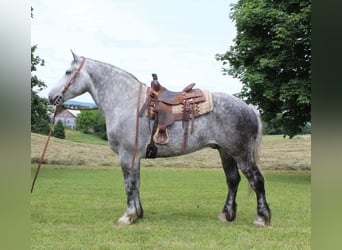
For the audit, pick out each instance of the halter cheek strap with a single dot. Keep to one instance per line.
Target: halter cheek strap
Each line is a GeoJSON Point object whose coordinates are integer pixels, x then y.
{"type": "Point", "coordinates": [72, 80]}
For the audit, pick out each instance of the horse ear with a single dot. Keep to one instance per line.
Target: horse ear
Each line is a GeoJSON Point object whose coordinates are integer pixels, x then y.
{"type": "Point", "coordinates": [76, 57]}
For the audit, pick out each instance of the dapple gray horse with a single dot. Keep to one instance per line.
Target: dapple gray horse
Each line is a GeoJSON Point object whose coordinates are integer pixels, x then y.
{"type": "Point", "coordinates": [233, 128]}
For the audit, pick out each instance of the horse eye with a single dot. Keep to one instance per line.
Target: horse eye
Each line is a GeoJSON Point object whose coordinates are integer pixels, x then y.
{"type": "Point", "coordinates": [68, 72]}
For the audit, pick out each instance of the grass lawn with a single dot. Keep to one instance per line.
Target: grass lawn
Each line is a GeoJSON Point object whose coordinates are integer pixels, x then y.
{"type": "Point", "coordinates": [78, 136]}
{"type": "Point", "coordinates": [76, 207]}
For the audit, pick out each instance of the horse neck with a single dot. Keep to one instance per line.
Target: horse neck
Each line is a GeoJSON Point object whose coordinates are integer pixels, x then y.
{"type": "Point", "coordinates": [112, 88]}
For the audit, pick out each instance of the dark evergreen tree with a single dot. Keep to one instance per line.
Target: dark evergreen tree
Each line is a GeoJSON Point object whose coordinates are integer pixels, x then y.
{"type": "Point", "coordinates": [58, 130]}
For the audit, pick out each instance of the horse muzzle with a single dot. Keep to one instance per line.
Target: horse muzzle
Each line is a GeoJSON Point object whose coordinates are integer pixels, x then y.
{"type": "Point", "coordinates": [56, 100]}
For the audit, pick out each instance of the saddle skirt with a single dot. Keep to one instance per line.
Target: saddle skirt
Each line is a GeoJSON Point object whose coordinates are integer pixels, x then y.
{"type": "Point", "coordinates": [202, 107]}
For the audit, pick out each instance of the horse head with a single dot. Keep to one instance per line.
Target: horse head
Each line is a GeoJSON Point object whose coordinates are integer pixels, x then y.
{"type": "Point", "coordinates": [74, 82]}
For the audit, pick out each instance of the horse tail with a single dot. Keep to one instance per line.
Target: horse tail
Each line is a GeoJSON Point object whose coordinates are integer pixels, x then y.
{"type": "Point", "coordinates": [258, 137]}
{"type": "Point", "coordinates": [257, 143]}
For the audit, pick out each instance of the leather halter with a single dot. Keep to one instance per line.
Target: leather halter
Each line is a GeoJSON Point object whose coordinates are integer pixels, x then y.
{"type": "Point", "coordinates": [72, 80]}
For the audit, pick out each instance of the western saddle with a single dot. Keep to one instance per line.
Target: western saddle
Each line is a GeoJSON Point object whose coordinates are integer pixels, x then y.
{"type": "Point", "coordinates": [160, 105]}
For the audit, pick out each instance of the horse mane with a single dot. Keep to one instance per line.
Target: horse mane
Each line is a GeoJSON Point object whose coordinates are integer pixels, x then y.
{"type": "Point", "coordinates": [117, 68]}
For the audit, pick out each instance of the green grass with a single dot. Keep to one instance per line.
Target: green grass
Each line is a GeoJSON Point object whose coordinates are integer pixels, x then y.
{"type": "Point", "coordinates": [78, 136]}
{"type": "Point", "coordinates": [77, 208]}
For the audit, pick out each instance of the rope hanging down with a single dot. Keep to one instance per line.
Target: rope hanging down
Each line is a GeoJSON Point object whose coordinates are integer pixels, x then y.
{"type": "Point", "coordinates": [40, 161]}
{"type": "Point", "coordinates": [57, 110]}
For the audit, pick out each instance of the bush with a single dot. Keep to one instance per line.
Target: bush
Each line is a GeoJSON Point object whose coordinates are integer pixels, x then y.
{"type": "Point", "coordinates": [40, 120]}
{"type": "Point", "coordinates": [92, 122]}
{"type": "Point", "coordinates": [58, 130]}
{"type": "Point", "coordinates": [40, 126]}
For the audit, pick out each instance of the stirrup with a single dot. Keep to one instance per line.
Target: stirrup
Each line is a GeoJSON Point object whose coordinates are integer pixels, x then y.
{"type": "Point", "coordinates": [151, 151]}
{"type": "Point", "coordinates": [161, 136]}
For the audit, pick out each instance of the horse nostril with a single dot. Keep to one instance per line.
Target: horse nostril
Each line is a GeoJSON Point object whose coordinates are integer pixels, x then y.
{"type": "Point", "coordinates": [57, 100]}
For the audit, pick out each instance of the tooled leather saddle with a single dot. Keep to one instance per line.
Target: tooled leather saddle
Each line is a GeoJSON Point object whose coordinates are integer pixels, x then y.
{"type": "Point", "coordinates": [160, 105]}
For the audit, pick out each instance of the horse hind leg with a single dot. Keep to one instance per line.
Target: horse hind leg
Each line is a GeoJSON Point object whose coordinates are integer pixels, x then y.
{"type": "Point", "coordinates": [233, 179]}
{"type": "Point", "coordinates": [257, 183]}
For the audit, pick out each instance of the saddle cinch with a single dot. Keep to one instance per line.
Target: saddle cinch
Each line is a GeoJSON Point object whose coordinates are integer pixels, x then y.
{"type": "Point", "coordinates": [165, 107]}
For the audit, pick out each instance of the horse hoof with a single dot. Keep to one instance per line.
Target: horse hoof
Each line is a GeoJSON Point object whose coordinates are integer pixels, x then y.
{"type": "Point", "coordinates": [125, 220]}
{"type": "Point", "coordinates": [122, 223]}
{"type": "Point", "coordinates": [222, 217]}
{"type": "Point", "coordinates": [259, 222]}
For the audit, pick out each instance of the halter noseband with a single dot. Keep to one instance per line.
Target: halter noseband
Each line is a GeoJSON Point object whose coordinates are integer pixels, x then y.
{"type": "Point", "coordinates": [72, 80]}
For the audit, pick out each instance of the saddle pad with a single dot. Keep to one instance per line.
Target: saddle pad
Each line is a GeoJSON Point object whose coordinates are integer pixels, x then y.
{"type": "Point", "coordinates": [202, 107]}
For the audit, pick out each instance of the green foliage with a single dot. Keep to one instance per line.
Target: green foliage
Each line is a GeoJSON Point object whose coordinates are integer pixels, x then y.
{"type": "Point", "coordinates": [36, 61]}
{"type": "Point", "coordinates": [39, 106]}
{"type": "Point", "coordinates": [92, 121]}
{"type": "Point", "coordinates": [58, 130]}
{"type": "Point", "coordinates": [274, 127]}
{"type": "Point", "coordinates": [271, 56]}
{"type": "Point", "coordinates": [40, 119]}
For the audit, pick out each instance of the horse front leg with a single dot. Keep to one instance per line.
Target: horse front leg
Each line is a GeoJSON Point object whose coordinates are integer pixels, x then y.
{"type": "Point", "coordinates": [132, 185]}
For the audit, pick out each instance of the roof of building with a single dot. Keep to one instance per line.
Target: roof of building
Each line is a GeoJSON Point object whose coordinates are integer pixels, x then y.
{"type": "Point", "coordinates": [65, 113]}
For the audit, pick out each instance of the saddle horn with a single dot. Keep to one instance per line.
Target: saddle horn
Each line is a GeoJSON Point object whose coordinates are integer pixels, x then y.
{"type": "Point", "coordinates": [155, 83]}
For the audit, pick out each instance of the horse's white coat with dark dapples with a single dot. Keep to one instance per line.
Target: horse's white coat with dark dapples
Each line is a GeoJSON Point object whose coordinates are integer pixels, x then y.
{"type": "Point", "coordinates": [233, 128]}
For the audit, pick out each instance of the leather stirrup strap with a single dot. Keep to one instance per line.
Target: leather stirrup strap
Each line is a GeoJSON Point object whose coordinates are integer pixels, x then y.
{"type": "Point", "coordinates": [151, 150]}
{"type": "Point", "coordinates": [135, 148]}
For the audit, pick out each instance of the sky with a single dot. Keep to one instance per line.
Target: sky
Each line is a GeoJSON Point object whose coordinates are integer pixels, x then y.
{"type": "Point", "coordinates": [176, 39]}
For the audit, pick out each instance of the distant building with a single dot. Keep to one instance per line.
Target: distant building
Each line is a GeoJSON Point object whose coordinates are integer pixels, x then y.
{"type": "Point", "coordinates": [67, 117]}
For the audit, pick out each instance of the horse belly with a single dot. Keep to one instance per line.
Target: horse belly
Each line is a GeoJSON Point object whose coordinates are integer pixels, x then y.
{"type": "Point", "coordinates": [198, 139]}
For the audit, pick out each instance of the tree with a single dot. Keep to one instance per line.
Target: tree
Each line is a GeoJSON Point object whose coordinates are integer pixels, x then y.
{"type": "Point", "coordinates": [40, 119]}
{"type": "Point", "coordinates": [271, 56]}
{"type": "Point", "coordinates": [58, 130]}
{"type": "Point", "coordinates": [85, 121]}
{"type": "Point", "coordinates": [92, 121]}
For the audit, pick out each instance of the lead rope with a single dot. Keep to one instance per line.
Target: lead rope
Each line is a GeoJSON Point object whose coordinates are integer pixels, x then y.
{"type": "Point", "coordinates": [40, 161]}
{"type": "Point", "coordinates": [58, 108]}
{"type": "Point", "coordinates": [135, 149]}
